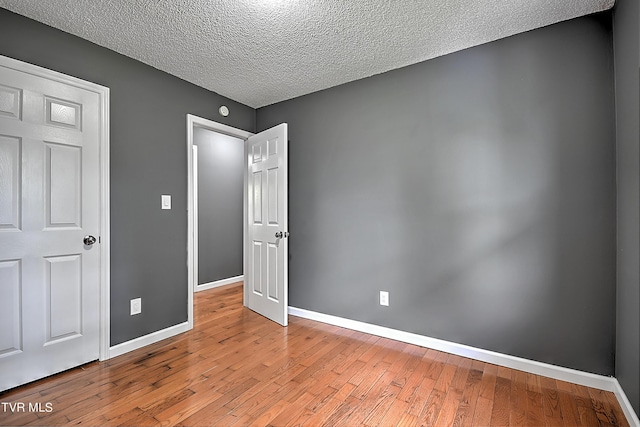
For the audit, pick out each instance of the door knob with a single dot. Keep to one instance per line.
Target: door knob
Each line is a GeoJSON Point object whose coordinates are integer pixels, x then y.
{"type": "Point", "coordinates": [89, 240]}
{"type": "Point", "coordinates": [279, 235]}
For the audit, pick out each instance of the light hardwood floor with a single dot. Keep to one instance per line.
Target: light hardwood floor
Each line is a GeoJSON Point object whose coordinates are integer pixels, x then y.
{"type": "Point", "coordinates": [236, 368]}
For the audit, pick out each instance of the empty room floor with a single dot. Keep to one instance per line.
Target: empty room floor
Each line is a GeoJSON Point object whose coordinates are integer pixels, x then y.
{"type": "Point", "coordinates": [236, 368]}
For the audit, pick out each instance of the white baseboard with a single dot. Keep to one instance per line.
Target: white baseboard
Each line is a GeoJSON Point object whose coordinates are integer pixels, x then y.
{"type": "Point", "coordinates": [217, 283]}
{"type": "Point", "coordinates": [631, 415]}
{"type": "Point", "coordinates": [587, 379]}
{"type": "Point", "coordinates": [149, 339]}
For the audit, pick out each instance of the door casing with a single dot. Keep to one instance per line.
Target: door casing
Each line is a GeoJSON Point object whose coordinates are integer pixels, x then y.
{"type": "Point", "coordinates": [104, 176]}
{"type": "Point", "coordinates": [192, 123]}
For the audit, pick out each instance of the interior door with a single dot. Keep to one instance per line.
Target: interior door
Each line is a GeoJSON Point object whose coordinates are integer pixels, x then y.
{"type": "Point", "coordinates": [49, 203]}
{"type": "Point", "coordinates": [267, 236]}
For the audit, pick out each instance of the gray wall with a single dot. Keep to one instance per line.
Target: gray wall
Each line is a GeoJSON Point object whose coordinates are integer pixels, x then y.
{"type": "Point", "coordinates": [478, 188]}
{"type": "Point", "coordinates": [220, 209]}
{"type": "Point", "coordinates": [626, 34]}
{"type": "Point", "coordinates": [148, 158]}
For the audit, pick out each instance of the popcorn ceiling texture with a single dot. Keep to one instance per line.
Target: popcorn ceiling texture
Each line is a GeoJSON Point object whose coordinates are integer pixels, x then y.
{"type": "Point", "coordinates": [260, 52]}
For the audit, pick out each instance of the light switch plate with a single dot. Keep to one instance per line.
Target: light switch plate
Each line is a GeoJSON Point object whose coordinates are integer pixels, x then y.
{"type": "Point", "coordinates": [136, 306]}
{"type": "Point", "coordinates": [166, 201]}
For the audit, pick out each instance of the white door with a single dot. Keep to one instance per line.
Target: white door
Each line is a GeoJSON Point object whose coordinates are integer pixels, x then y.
{"type": "Point", "coordinates": [266, 240]}
{"type": "Point", "coordinates": [49, 202]}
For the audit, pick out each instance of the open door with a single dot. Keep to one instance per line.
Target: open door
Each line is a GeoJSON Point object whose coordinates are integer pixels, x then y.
{"type": "Point", "coordinates": [266, 243]}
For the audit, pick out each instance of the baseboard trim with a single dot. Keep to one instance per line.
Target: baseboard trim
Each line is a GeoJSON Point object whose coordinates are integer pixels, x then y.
{"type": "Point", "coordinates": [149, 339]}
{"type": "Point", "coordinates": [628, 410]}
{"type": "Point", "coordinates": [218, 283]}
{"type": "Point", "coordinates": [600, 382]}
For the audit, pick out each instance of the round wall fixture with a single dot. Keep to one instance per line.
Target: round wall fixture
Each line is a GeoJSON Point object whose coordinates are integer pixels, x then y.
{"type": "Point", "coordinates": [223, 110]}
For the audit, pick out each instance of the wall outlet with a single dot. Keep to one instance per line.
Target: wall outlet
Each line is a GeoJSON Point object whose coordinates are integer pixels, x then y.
{"type": "Point", "coordinates": [384, 298]}
{"type": "Point", "coordinates": [136, 306]}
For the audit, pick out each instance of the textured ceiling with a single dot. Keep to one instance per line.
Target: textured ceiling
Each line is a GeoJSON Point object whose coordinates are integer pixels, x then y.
{"type": "Point", "coordinates": [259, 52]}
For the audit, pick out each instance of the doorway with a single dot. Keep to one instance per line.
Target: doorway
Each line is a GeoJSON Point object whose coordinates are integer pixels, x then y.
{"type": "Point", "coordinates": [264, 217]}
{"type": "Point", "coordinates": [218, 138]}
{"type": "Point", "coordinates": [218, 178]}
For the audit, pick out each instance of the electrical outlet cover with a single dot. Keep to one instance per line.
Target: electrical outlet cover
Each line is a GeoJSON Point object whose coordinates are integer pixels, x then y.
{"type": "Point", "coordinates": [384, 298]}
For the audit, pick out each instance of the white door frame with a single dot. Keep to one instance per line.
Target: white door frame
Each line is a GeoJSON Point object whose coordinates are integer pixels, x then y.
{"type": "Point", "coordinates": [105, 237]}
{"type": "Point", "coordinates": [192, 239]}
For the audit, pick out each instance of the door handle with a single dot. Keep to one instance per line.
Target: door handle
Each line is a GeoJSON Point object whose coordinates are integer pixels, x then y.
{"type": "Point", "coordinates": [89, 240]}
{"type": "Point", "coordinates": [279, 235]}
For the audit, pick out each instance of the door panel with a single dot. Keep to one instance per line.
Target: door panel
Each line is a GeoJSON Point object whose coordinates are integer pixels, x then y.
{"type": "Point", "coordinates": [63, 113]}
{"type": "Point", "coordinates": [272, 273]}
{"type": "Point", "coordinates": [272, 196]}
{"type": "Point", "coordinates": [257, 198]}
{"type": "Point", "coordinates": [10, 102]}
{"type": "Point", "coordinates": [267, 210]}
{"type": "Point", "coordinates": [10, 182]}
{"type": "Point", "coordinates": [64, 297]}
{"type": "Point", "coordinates": [10, 290]}
{"type": "Point", "coordinates": [49, 200]}
{"type": "Point", "coordinates": [63, 184]}
{"type": "Point", "coordinates": [256, 265]}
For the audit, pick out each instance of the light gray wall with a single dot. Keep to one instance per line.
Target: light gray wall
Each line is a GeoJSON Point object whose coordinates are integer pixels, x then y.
{"type": "Point", "coordinates": [220, 209]}
{"type": "Point", "coordinates": [477, 188]}
{"type": "Point", "coordinates": [148, 158]}
{"type": "Point", "coordinates": [626, 33]}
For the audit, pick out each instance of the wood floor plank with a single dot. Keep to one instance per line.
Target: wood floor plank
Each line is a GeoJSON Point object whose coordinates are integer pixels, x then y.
{"type": "Point", "coordinates": [185, 408]}
{"type": "Point", "coordinates": [411, 385]}
{"type": "Point", "coordinates": [323, 413]}
{"type": "Point", "coordinates": [518, 409]}
{"type": "Point", "coordinates": [257, 404]}
{"type": "Point", "coordinates": [587, 413]}
{"type": "Point", "coordinates": [446, 377]}
{"type": "Point", "coordinates": [267, 416]}
{"type": "Point", "coordinates": [373, 402]}
{"type": "Point", "coordinates": [447, 414]}
{"type": "Point", "coordinates": [614, 407]}
{"type": "Point", "coordinates": [551, 403]}
{"type": "Point", "coordinates": [488, 384]}
{"type": "Point", "coordinates": [432, 407]}
{"type": "Point", "coordinates": [483, 411]}
{"type": "Point", "coordinates": [382, 404]}
{"type": "Point", "coordinates": [236, 368]}
{"type": "Point", "coordinates": [294, 412]}
{"type": "Point", "coordinates": [501, 401]}
{"type": "Point", "coordinates": [588, 416]}
{"type": "Point", "coordinates": [604, 411]}
{"type": "Point", "coordinates": [570, 414]}
{"type": "Point", "coordinates": [395, 413]}
{"type": "Point", "coordinates": [408, 420]}
{"type": "Point", "coordinates": [464, 415]}
{"type": "Point", "coordinates": [419, 399]}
